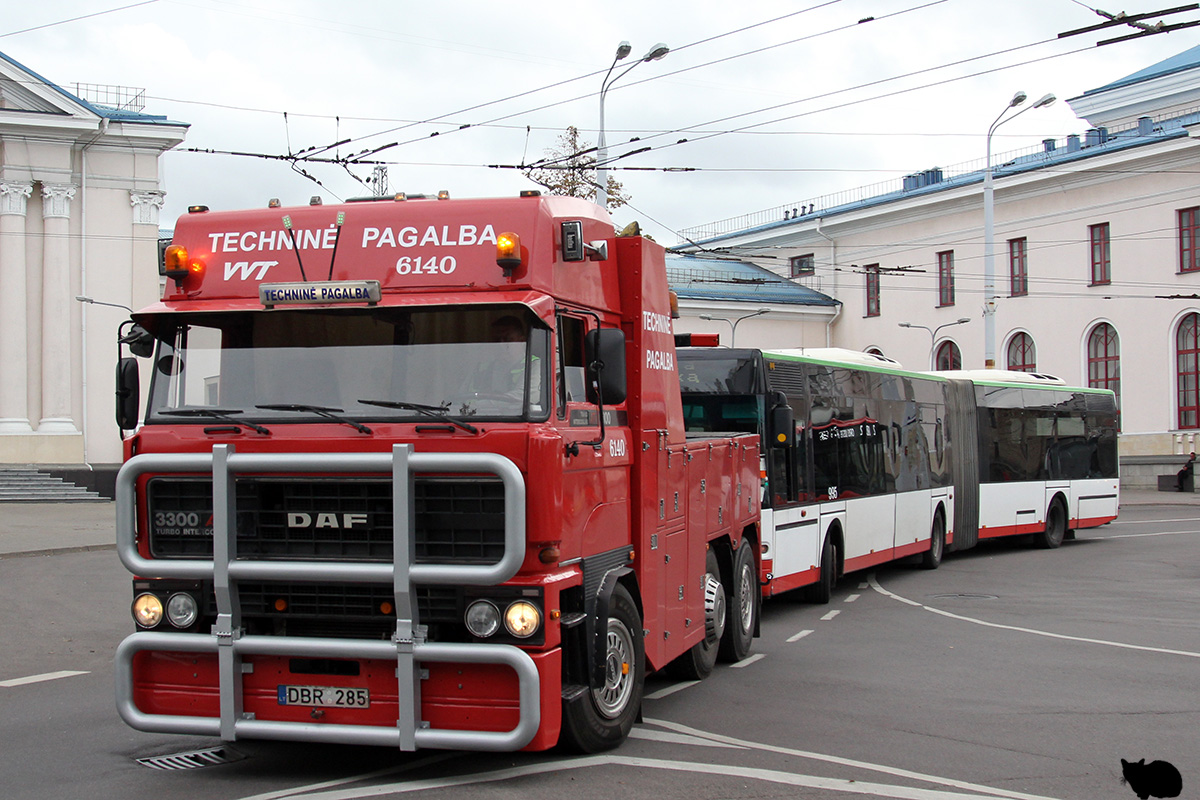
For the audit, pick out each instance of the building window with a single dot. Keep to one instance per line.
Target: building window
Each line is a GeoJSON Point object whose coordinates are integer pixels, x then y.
{"type": "Point", "coordinates": [1189, 231]}
{"type": "Point", "coordinates": [1187, 367]}
{"type": "Point", "coordinates": [1100, 256]}
{"type": "Point", "coordinates": [948, 357]}
{"type": "Point", "coordinates": [945, 278]}
{"type": "Point", "coordinates": [872, 271]}
{"type": "Point", "coordinates": [1018, 276]}
{"type": "Point", "coordinates": [803, 266]}
{"type": "Point", "coordinates": [874, 351]}
{"type": "Point", "coordinates": [1021, 355]}
{"type": "Point", "coordinates": [1104, 360]}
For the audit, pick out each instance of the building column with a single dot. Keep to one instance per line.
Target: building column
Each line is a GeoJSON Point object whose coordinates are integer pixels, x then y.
{"type": "Point", "coordinates": [56, 310]}
{"type": "Point", "coordinates": [14, 344]}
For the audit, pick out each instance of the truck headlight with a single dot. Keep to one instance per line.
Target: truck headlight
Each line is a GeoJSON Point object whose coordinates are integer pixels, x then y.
{"type": "Point", "coordinates": [482, 619]}
{"type": "Point", "coordinates": [181, 610]}
{"type": "Point", "coordinates": [522, 619]}
{"type": "Point", "coordinates": [147, 610]}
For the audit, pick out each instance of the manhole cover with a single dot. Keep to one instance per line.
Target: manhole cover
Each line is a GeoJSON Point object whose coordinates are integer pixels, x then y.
{"type": "Point", "coordinates": [193, 759]}
{"type": "Point", "coordinates": [965, 596]}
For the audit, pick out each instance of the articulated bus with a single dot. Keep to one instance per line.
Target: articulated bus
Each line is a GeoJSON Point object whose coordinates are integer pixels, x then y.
{"type": "Point", "coordinates": [865, 462]}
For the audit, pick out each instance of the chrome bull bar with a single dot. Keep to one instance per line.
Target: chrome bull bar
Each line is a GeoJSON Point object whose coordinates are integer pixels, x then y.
{"type": "Point", "coordinates": [407, 647]}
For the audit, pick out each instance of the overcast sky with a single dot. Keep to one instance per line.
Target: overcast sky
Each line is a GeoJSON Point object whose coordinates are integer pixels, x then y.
{"type": "Point", "coordinates": [780, 102]}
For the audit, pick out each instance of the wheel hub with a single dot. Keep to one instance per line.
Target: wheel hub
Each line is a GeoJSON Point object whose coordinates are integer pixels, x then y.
{"type": "Point", "coordinates": [714, 609]}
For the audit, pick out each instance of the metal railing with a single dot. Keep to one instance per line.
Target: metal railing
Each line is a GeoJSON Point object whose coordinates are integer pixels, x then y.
{"type": "Point", "coordinates": [408, 646]}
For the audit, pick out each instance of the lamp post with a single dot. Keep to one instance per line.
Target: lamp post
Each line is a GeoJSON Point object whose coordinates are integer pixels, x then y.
{"type": "Point", "coordinates": [657, 52]}
{"type": "Point", "coordinates": [933, 332]}
{"type": "Point", "coordinates": [733, 323]}
{"type": "Point", "coordinates": [989, 246]}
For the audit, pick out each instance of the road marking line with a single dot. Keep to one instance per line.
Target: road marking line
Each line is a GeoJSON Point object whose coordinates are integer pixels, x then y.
{"type": "Point", "coordinates": [863, 585]}
{"type": "Point", "coordinates": [799, 636]}
{"type": "Point", "coordinates": [1139, 535]}
{"type": "Point", "coordinates": [47, 676]}
{"type": "Point", "coordinates": [830, 615]}
{"type": "Point", "coordinates": [982, 791]}
{"type": "Point", "coordinates": [281, 793]}
{"type": "Point", "coordinates": [1048, 634]}
{"type": "Point", "coordinates": [1143, 522]}
{"type": "Point", "coordinates": [735, 771]}
{"type": "Point", "coordinates": [745, 662]}
{"type": "Point", "coordinates": [670, 690]}
{"type": "Point", "coordinates": [851, 598]}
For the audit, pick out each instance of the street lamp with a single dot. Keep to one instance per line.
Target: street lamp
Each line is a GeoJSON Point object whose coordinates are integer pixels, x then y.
{"type": "Point", "coordinates": [933, 332]}
{"type": "Point", "coordinates": [733, 323]}
{"type": "Point", "coordinates": [989, 246]}
{"type": "Point", "coordinates": [657, 52]}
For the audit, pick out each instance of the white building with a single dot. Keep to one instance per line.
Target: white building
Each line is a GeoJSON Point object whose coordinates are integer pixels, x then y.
{"type": "Point", "coordinates": [1097, 259]}
{"type": "Point", "coordinates": [79, 202]}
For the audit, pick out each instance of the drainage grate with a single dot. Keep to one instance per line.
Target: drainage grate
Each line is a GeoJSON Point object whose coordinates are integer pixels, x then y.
{"type": "Point", "coordinates": [194, 759]}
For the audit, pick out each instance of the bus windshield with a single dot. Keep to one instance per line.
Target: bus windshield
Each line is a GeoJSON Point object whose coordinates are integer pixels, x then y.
{"type": "Point", "coordinates": [378, 363]}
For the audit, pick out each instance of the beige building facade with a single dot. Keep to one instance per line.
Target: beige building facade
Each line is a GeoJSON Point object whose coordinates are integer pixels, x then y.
{"type": "Point", "coordinates": [1096, 272]}
{"type": "Point", "coordinates": [80, 196]}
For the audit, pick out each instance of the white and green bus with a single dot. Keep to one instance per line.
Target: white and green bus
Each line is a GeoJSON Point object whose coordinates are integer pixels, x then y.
{"type": "Point", "coordinates": [865, 462]}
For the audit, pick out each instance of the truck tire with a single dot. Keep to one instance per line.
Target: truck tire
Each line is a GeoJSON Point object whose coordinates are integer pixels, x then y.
{"type": "Point", "coordinates": [600, 719]}
{"type": "Point", "coordinates": [698, 662]}
{"type": "Point", "coordinates": [742, 599]}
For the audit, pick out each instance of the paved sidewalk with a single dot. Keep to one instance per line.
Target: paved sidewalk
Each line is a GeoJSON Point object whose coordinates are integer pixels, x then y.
{"type": "Point", "coordinates": [31, 529]}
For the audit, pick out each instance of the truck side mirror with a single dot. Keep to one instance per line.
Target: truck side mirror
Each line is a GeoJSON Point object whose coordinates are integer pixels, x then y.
{"type": "Point", "coordinates": [605, 352]}
{"type": "Point", "coordinates": [781, 423]}
{"type": "Point", "coordinates": [127, 393]}
{"type": "Point", "coordinates": [140, 342]}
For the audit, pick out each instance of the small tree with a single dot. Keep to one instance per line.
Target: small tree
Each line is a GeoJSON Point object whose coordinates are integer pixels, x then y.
{"type": "Point", "coordinates": [570, 171]}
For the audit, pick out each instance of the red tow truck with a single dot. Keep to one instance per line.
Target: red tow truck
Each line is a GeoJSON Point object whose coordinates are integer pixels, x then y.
{"type": "Point", "coordinates": [413, 472]}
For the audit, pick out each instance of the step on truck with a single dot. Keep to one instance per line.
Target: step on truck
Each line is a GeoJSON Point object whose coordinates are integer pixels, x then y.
{"type": "Point", "coordinates": [413, 472]}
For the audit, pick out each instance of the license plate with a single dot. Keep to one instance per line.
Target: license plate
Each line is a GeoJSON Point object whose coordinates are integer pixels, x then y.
{"type": "Point", "coordinates": [325, 696]}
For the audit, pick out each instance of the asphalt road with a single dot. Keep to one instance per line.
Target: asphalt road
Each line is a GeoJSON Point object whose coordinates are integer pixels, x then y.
{"type": "Point", "coordinates": [1009, 672]}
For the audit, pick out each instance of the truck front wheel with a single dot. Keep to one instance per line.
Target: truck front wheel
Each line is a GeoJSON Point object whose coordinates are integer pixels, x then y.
{"type": "Point", "coordinates": [601, 718]}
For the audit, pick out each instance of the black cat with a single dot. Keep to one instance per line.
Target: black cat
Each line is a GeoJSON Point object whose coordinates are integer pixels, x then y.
{"type": "Point", "coordinates": [1156, 779]}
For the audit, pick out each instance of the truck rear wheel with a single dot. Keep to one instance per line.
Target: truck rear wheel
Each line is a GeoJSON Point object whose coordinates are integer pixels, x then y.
{"type": "Point", "coordinates": [601, 718]}
{"type": "Point", "coordinates": [698, 662]}
{"type": "Point", "coordinates": [742, 597]}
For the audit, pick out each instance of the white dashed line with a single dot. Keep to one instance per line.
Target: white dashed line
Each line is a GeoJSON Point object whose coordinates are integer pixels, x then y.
{"type": "Point", "coordinates": [670, 690]}
{"type": "Point", "coordinates": [745, 662]}
{"type": "Point", "coordinates": [799, 636]}
{"type": "Point", "coordinates": [851, 598]}
{"type": "Point", "coordinates": [830, 615]}
{"type": "Point", "coordinates": [47, 676]}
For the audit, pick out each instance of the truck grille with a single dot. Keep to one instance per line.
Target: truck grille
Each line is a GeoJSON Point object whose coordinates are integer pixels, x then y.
{"type": "Point", "coordinates": [457, 520]}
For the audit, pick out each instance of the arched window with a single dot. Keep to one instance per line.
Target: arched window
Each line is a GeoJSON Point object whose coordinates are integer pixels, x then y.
{"type": "Point", "coordinates": [1104, 359]}
{"type": "Point", "coordinates": [1187, 354]}
{"type": "Point", "coordinates": [1021, 354]}
{"type": "Point", "coordinates": [874, 351]}
{"type": "Point", "coordinates": [948, 356]}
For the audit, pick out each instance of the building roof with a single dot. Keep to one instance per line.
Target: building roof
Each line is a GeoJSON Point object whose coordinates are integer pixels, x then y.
{"type": "Point", "coordinates": [1188, 59]}
{"type": "Point", "coordinates": [1052, 153]}
{"type": "Point", "coordinates": [103, 111]}
{"type": "Point", "coordinates": [695, 277]}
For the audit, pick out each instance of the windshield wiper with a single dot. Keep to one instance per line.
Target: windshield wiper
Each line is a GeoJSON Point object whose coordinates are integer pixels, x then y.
{"type": "Point", "coordinates": [224, 414]}
{"type": "Point", "coordinates": [437, 412]}
{"type": "Point", "coordinates": [322, 411]}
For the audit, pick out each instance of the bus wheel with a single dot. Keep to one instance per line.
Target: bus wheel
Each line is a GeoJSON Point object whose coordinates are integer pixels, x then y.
{"type": "Point", "coordinates": [742, 598]}
{"type": "Point", "coordinates": [1056, 527]}
{"type": "Point", "coordinates": [932, 557]}
{"type": "Point", "coordinates": [698, 662]}
{"type": "Point", "coordinates": [602, 718]}
{"type": "Point", "coordinates": [822, 591]}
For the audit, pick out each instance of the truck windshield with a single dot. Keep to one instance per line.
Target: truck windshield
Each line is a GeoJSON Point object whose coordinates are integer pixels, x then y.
{"type": "Point", "coordinates": [376, 364]}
